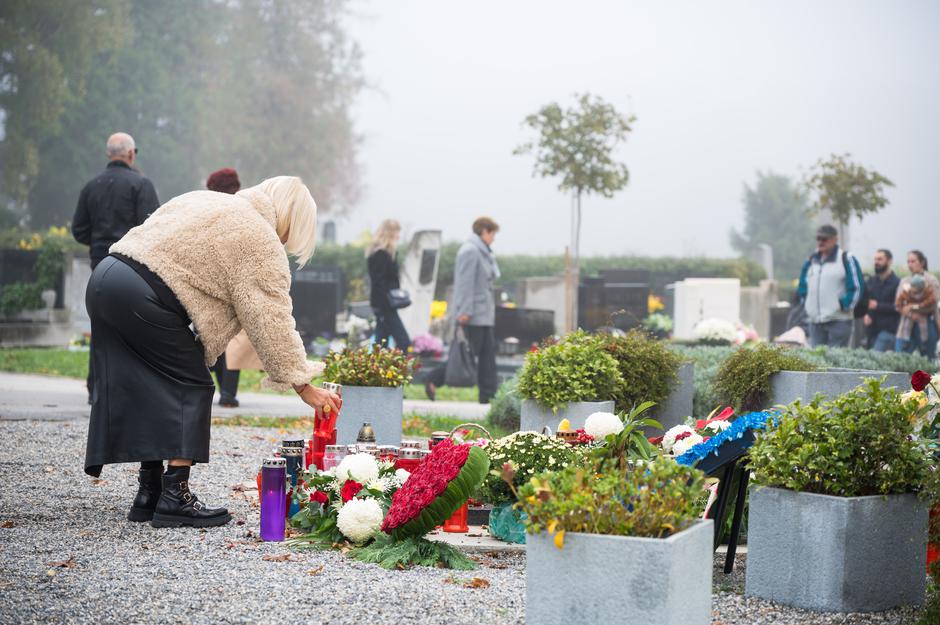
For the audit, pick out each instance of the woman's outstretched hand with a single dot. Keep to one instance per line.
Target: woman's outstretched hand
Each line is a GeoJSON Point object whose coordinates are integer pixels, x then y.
{"type": "Point", "coordinates": [319, 398]}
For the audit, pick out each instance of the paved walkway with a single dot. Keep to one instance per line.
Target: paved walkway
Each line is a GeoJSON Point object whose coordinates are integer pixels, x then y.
{"type": "Point", "coordinates": [53, 398]}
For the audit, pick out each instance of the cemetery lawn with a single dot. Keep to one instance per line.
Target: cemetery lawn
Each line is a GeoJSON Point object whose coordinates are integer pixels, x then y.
{"type": "Point", "coordinates": [74, 364]}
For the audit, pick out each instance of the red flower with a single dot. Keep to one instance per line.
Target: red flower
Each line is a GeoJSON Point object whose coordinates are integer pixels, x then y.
{"type": "Point", "coordinates": [426, 483]}
{"type": "Point", "coordinates": [349, 490]}
{"type": "Point", "coordinates": [319, 497]}
{"type": "Point", "coordinates": [656, 440]}
{"type": "Point", "coordinates": [920, 380]}
{"type": "Point", "coordinates": [682, 435]}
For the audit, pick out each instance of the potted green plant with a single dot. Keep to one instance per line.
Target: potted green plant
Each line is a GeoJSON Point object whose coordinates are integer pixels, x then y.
{"type": "Point", "coordinates": [651, 372]}
{"type": "Point", "coordinates": [570, 379]}
{"type": "Point", "coordinates": [373, 379]}
{"type": "Point", "coordinates": [617, 546]}
{"type": "Point", "coordinates": [834, 521]}
{"type": "Point", "coordinates": [529, 453]}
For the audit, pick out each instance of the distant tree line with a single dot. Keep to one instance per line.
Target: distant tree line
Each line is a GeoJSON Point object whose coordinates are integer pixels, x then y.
{"type": "Point", "coordinates": [264, 86]}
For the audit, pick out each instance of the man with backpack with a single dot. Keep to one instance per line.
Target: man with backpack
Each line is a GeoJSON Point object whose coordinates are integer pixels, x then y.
{"type": "Point", "coordinates": [831, 288]}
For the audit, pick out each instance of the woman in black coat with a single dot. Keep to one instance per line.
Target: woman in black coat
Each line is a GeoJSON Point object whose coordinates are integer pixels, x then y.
{"type": "Point", "coordinates": [383, 275]}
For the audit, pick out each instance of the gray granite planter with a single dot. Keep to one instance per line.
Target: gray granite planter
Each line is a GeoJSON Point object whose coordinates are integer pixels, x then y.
{"type": "Point", "coordinates": [380, 406]}
{"type": "Point", "coordinates": [535, 416]}
{"type": "Point", "coordinates": [836, 554]}
{"type": "Point", "coordinates": [620, 579]}
{"type": "Point", "coordinates": [788, 386]}
{"type": "Point", "coordinates": [678, 406]}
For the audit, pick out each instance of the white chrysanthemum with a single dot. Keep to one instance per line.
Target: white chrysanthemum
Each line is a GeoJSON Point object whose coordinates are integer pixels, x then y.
{"type": "Point", "coordinates": [669, 438]}
{"type": "Point", "coordinates": [360, 519]}
{"type": "Point", "coordinates": [401, 476]}
{"type": "Point", "coordinates": [715, 330]}
{"type": "Point", "coordinates": [600, 424]}
{"type": "Point", "coordinates": [381, 484]}
{"type": "Point", "coordinates": [683, 445]}
{"type": "Point", "coordinates": [717, 426]}
{"type": "Point", "coordinates": [362, 468]}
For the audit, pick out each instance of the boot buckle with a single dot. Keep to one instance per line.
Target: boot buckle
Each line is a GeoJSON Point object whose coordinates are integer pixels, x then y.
{"type": "Point", "coordinates": [187, 497]}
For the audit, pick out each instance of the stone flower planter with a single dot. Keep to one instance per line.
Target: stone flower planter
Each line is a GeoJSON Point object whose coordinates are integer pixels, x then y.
{"type": "Point", "coordinates": [788, 386]}
{"type": "Point", "coordinates": [678, 406]}
{"type": "Point", "coordinates": [534, 416]}
{"type": "Point", "coordinates": [380, 406]}
{"type": "Point", "coordinates": [620, 579]}
{"type": "Point", "coordinates": [836, 554]}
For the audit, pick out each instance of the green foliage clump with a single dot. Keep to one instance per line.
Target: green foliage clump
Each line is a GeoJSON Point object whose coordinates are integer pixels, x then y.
{"type": "Point", "coordinates": [857, 444]}
{"type": "Point", "coordinates": [653, 500]}
{"type": "Point", "coordinates": [369, 366]}
{"type": "Point", "coordinates": [620, 451]}
{"type": "Point", "coordinates": [647, 367]}
{"type": "Point", "coordinates": [529, 453]}
{"type": "Point", "coordinates": [407, 552]}
{"type": "Point", "coordinates": [867, 360]}
{"type": "Point", "coordinates": [577, 368]}
{"type": "Point", "coordinates": [743, 380]}
{"type": "Point", "coordinates": [18, 296]}
{"type": "Point", "coordinates": [506, 405]}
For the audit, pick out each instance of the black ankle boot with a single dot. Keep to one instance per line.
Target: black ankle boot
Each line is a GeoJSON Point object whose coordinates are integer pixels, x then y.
{"type": "Point", "coordinates": [151, 485]}
{"type": "Point", "coordinates": [178, 506]}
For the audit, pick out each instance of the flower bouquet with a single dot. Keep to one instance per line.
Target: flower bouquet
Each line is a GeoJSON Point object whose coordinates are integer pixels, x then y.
{"type": "Point", "coordinates": [346, 503]}
{"type": "Point", "coordinates": [681, 438]}
{"type": "Point", "coordinates": [441, 484]}
{"type": "Point", "coordinates": [715, 331]}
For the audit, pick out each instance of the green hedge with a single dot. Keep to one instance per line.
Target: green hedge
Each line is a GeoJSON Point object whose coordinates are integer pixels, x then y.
{"type": "Point", "coordinates": [351, 258]}
{"type": "Point", "coordinates": [708, 360]}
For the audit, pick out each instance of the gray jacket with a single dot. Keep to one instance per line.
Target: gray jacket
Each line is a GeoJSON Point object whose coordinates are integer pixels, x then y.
{"type": "Point", "coordinates": [474, 273]}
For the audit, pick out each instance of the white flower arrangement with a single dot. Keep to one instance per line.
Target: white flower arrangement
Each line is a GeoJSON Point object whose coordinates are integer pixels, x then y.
{"type": "Point", "coordinates": [714, 329]}
{"type": "Point", "coordinates": [683, 445]}
{"type": "Point", "coordinates": [669, 438]}
{"type": "Point", "coordinates": [717, 426]}
{"type": "Point", "coordinates": [362, 468]}
{"type": "Point", "coordinates": [601, 424]}
{"type": "Point", "coordinates": [360, 519]}
{"type": "Point", "coordinates": [401, 476]}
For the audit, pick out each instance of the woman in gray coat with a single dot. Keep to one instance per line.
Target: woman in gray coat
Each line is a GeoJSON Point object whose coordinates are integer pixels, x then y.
{"type": "Point", "coordinates": [474, 306]}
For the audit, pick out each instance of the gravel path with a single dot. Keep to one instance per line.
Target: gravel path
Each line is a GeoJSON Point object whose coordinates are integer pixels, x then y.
{"type": "Point", "coordinates": [67, 555]}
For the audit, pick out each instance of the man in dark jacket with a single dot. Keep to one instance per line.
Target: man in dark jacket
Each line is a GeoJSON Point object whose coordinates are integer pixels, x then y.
{"type": "Point", "coordinates": [117, 200]}
{"type": "Point", "coordinates": [881, 320]}
{"type": "Point", "coordinates": [114, 202]}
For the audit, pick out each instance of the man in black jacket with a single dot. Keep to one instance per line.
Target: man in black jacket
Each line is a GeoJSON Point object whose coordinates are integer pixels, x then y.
{"type": "Point", "coordinates": [117, 200]}
{"type": "Point", "coordinates": [114, 202]}
{"type": "Point", "coordinates": [881, 320]}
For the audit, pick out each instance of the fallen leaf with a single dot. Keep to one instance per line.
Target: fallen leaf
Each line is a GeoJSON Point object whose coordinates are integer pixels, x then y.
{"type": "Point", "coordinates": [6, 525]}
{"type": "Point", "coordinates": [477, 582]}
{"type": "Point", "coordinates": [244, 486]}
{"type": "Point", "coordinates": [240, 522]}
{"type": "Point", "coordinates": [49, 469]}
{"type": "Point", "coordinates": [64, 564]}
{"type": "Point", "coordinates": [98, 481]}
{"type": "Point", "coordinates": [284, 557]}
{"type": "Point", "coordinates": [145, 546]}
{"type": "Point", "coordinates": [474, 535]}
{"type": "Point", "coordinates": [315, 571]}
{"type": "Point", "coordinates": [85, 533]}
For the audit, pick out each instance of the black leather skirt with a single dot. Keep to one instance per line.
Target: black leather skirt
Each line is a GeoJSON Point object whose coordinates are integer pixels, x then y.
{"type": "Point", "coordinates": [152, 392]}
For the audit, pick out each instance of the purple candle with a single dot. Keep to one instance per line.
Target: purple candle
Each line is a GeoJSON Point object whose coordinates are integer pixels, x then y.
{"type": "Point", "coordinates": [273, 498]}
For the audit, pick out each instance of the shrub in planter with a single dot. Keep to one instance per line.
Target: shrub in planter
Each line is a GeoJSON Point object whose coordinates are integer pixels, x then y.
{"type": "Point", "coordinates": [837, 526]}
{"type": "Point", "coordinates": [575, 369]}
{"type": "Point", "coordinates": [647, 367]}
{"type": "Point", "coordinates": [372, 379]}
{"type": "Point", "coordinates": [743, 380]}
{"type": "Point", "coordinates": [630, 537]}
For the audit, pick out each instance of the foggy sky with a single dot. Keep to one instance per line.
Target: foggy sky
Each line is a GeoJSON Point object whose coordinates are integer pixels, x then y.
{"type": "Point", "coordinates": [720, 90]}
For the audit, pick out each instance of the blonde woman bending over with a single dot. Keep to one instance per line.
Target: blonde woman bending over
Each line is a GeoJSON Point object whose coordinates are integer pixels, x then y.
{"type": "Point", "coordinates": [219, 262]}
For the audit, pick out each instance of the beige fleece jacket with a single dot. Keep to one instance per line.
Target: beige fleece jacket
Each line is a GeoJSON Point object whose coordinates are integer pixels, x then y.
{"type": "Point", "coordinates": [221, 256]}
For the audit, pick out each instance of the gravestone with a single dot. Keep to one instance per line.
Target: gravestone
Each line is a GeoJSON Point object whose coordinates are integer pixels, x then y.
{"type": "Point", "coordinates": [696, 299]}
{"type": "Point", "coordinates": [525, 325]}
{"type": "Point", "coordinates": [418, 276]}
{"type": "Point", "coordinates": [317, 296]}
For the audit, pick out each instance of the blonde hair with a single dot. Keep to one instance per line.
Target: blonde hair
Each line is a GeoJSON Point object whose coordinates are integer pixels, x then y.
{"type": "Point", "coordinates": [386, 238]}
{"type": "Point", "coordinates": [296, 215]}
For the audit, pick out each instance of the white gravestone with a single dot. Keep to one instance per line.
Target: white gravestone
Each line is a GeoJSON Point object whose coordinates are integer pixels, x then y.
{"type": "Point", "coordinates": [704, 298]}
{"type": "Point", "coordinates": [418, 276]}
